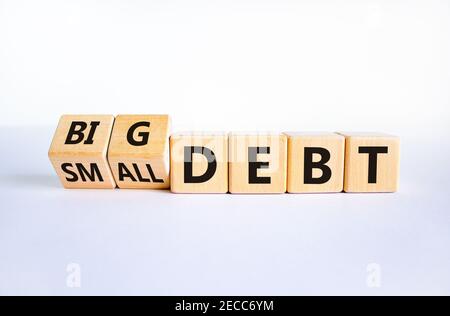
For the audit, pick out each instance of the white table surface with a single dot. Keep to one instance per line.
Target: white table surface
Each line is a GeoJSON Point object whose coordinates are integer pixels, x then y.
{"type": "Point", "coordinates": [156, 242]}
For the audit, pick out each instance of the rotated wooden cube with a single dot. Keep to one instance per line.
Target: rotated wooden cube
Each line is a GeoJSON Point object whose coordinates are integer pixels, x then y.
{"type": "Point", "coordinates": [371, 162]}
{"type": "Point", "coordinates": [138, 152]}
{"type": "Point", "coordinates": [78, 151]}
{"type": "Point", "coordinates": [257, 162]}
{"type": "Point", "coordinates": [315, 162]}
{"type": "Point", "coordinates": [199, 163]}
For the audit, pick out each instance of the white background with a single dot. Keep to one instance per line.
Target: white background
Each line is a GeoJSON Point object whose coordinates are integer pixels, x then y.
{"type": "Point", "coordinates": [226, 65]}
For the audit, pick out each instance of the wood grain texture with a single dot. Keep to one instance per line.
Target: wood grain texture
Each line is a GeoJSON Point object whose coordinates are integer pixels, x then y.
{"type": "Point", "coordinates": [357, 176]}
{"type": "Point", "coordinates": [144, 162]}
{"type": "Point", "coordinates": [333, 143]}
{"type": "Point", "coordinates": [83, 164]}
{"type": "Point", "coordinates": [239, 178]}
{"type": "Point", "coordinates": [215, 142]}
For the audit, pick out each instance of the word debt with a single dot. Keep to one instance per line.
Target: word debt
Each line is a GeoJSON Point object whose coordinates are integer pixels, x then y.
{"type": "Point", "coordinates": [136, 151]}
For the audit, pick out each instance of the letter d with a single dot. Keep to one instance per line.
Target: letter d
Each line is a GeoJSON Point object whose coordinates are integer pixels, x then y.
{"type": "Point", "coordinates": [210, 170]}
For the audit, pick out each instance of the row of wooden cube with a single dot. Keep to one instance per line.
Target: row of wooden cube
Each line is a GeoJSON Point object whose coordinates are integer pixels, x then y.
{"type": "Point", "coordinates": [132, 151]}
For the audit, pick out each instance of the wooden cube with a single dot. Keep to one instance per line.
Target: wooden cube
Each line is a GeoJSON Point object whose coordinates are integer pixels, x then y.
{"type": "Point", "coordinates": [199, 163]}
{"type": "Point", "coordinates": [371, 162]}
{"type": "Point", "coordinates": [257, 163]}
{"type": "Point", "coordinates": [315, 162]}
{"type": "Point", "coordinates": [78, 151]}
{"type": "Point", "coordinates": [139, 151]}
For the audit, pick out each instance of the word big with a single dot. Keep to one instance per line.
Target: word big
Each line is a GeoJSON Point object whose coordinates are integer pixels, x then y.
{"type": "Point", "coordinates": [135, 151]}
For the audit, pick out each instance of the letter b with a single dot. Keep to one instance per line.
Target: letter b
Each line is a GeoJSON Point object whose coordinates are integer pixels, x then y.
{"type": "Point", "coordinates": [321, 164]}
